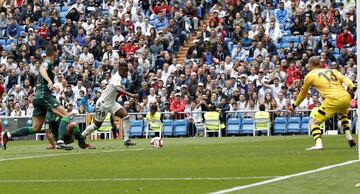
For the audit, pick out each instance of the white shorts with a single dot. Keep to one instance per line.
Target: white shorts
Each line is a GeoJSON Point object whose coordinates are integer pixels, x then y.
{"type": "Point", "coordinates": [101, 111]}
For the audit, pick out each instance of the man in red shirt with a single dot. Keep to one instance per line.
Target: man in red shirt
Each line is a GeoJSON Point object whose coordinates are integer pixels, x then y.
{"type": "Point", "coordinates": [344, 39]}
{"type": "Point", "coordinates": [43, 31]}
{"type": "Point", "coordinates": [177, 105]}
{"type": "Point", "coordinates": [129, 48]}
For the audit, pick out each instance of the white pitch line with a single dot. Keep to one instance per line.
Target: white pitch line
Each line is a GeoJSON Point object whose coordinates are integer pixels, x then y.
{"type": "Point", "coordinates": [69, 153]}
{"type": "Point", "coordinates": [284, 177]}
{"type": "Point", "coordinates": [136, 179]}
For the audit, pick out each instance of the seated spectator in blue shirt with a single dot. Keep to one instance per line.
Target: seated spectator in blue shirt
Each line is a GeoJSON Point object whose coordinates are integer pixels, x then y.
{"type": "Point", "coordinates": [161, 22]}
{"type": "Point", "coordinates": [238, 52]}
{"type": "Point", "coordinates": [45, 19]}
{"type": "Point", "coordinates": [246, 41]}
{"type": "Point", "coordinates": [13, 30]}
{"type": "Point", "coordinates": [281, 14]}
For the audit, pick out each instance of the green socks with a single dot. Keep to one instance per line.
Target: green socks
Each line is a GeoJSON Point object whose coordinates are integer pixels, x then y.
{"type": "Point", "coordinates": [23, 131]}
{"type": "Point", "coordinates": [78, 136]}
{"type": "Point", "coordinates": [62, 128]}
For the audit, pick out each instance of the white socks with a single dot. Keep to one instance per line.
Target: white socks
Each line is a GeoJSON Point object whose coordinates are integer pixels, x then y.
{"type": "Point", "coordinates": [89, 130]}
{"type": "Point", "coordinates": [126, 128]}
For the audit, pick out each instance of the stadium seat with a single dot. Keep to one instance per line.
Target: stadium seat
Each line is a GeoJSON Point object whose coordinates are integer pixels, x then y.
{"type": "Point", "coordinates": [136, 128]}
{"type": "Point", "coordinates": [284, 45]}
{"type": "Point", "coordinates": [212, 123]}
{"type": "Point", "coordinates": [62, 20]}
{"type": "Point", "coordinates": [280, 125]}
{"type": "Point", "coordinates": [287, 39]}
{"type": "Point", "coordinates": [233, 126]}
{"type": "Point", "coordinates": [336, 51]}
{"type": "Point", "coordinates": [64, 9]}
{"type": "Point", "coordinates": [180, 127]}
{"type": "Point", "coordinates": [9, 41]}
{"type": "Point", "coordinates": [293, 125]}
{"type": "Point", "coordinates": [304, 127]}
{"type": "Point", "coordinates": [262, 125]}
{"type": "Point", "coordinates": [63, 14]}
{"type": "Point", "coordinates": [22, 28]}
{"type": "Point", "coordinates": [168, 128]}
{"type": "Point", "coordinates": [286, 33]}
{"type": "Point", "coordinates": [3, 42]}
{"type": "Point", "coordinates": [247, 126]}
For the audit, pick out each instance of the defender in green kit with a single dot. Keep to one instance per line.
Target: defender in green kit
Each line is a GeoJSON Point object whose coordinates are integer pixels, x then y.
{"type": "Point", "coordinates": [72, 131]}
{"type": "Point", "coordinates": [44, 102]}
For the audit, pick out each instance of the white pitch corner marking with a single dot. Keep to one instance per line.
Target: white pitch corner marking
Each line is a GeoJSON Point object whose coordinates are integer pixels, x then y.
{"type": "Point", "coordinates": [284, 177]}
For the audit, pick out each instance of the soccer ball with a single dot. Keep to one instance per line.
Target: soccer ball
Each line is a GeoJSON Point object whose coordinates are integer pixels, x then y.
{"type": "Point", "coordinates": [157, 142]}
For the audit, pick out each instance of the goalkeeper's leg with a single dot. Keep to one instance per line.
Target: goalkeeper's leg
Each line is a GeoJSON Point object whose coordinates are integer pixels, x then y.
{"type": "Point", "coordinates": [316, 133]}
{"type": "Point", "coordinates": [346, 127]}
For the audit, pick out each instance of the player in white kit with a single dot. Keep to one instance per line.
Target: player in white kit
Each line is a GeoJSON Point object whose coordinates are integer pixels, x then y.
{"type": "Point", "coordinates": [107, 103]}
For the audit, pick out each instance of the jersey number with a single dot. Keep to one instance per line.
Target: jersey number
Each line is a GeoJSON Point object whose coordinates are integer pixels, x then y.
{"type": "Point", "coordinates": [328, 75]}
{"type": "Point", "coordinates": [100, 114]}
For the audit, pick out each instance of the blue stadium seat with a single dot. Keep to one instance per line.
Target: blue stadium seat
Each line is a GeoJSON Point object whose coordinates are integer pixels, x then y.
{"type": "Point", "coordinates": [286, 39]}
{"type": "Point", "coordinates": [293, 125]}
{"type": "Point", "coordinates": [280, 125]}
{"type": "Point", "coordinates": [336, 51]}
{"type": "Point", "coordinates": [284, 45]}
{"type": "Point", "coordinates": [7, 47]}
{"type": "Point", "coordinates": [3, 42]}
{"type": "Point", "coordinates": [304, 127]}
{"type": "Point", "coordinates": [22, 28]}
{"type": "Point", "coordinates": [136, 128]}
{"type": "Point", "coordinates": [9, 41]}
{"type": "Point", "coordinates": [249, 59]}
{"type": "Point", "coordinates": [180, 127]}
{"type": "Point", "coordinates": [63, 14]}
{"type": "Point", "coordinates": [64, 9]}
{"type": "Point", "coordinates": [286, 33]}
{"type": "Point", "coordinates": [62, 20]}
{"type": "Point", "coordinates": [278, 46]}
{"type": "Point", "coordinates": [168, 128]}
{"type": "Point", "coordinates": [233, 126]}
{"type": "Point", "coordinates": [247, 126]}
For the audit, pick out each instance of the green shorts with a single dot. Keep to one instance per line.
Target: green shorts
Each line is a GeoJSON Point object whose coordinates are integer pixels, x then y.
{"type": "Point", "coordinates": [44, 104]}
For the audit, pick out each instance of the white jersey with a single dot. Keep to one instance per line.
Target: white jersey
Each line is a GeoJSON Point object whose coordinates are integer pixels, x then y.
{"type": "Point", "coordinates": [108, 96]}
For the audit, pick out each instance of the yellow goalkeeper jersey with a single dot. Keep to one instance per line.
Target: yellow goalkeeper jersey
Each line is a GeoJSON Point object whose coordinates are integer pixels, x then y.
{"type": "Point", "coordinates": [328, 82]}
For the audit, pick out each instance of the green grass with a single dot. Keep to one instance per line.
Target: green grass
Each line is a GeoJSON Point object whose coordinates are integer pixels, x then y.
{"type": "Point", "coordinates": [251, 159]}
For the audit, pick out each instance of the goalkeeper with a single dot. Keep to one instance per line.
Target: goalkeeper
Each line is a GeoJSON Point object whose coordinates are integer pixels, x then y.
{"type": "Point", "coordinates": [328, 82]}
{"type": "Point", "coordinates": [72, 131]}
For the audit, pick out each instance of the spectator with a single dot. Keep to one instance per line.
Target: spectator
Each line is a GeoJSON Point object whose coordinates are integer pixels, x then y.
{"type": "Point", "coordinates": [177, 106]}
{"type": "Point", "coordinates": [344, 39]}
{"type": "Point", "coordinates": [17, 111]}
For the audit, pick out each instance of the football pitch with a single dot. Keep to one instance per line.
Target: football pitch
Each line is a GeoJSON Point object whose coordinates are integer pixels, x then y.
{"type": "Point", "coordinates": [183, 165]}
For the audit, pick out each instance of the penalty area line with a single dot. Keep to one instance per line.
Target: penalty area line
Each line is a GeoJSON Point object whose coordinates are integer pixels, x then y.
{"type": "Point", "coordinates": [69, 153]}
{"type": "Point", "coordinates": [284, 177]}
{"type": "Point", "coordinates": [136, 179]}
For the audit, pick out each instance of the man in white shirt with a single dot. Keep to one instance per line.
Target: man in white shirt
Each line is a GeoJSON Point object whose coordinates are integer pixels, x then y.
{"type": "Point", "coordinates": [276, 87]}
{"type": "Point", "coordinates": [107, 104]}
{"type": "Point", "coordinates": [86, 57]}
{"type": "Point", "coordinates": [118, 37]}
{"type": "Point", "coordinates": [111, 55]}
{"type": "Point", "coordinates": [76, 89]}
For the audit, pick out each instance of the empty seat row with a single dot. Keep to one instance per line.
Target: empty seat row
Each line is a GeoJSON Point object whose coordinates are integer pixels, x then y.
{"type": "Point", "coordinates": [175, 128]}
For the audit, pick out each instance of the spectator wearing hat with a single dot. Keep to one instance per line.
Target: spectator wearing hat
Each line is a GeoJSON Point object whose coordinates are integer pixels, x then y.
{"type": "Point", "coordinates": [177, 106]}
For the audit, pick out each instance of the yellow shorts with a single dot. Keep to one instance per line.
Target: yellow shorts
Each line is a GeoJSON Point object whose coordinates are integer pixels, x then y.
{"type": "Point", "coordinates": [332, 106]}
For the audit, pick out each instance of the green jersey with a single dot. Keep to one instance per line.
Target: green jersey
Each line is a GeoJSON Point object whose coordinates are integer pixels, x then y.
{"type": "Point", "coordinates": [42, 86]}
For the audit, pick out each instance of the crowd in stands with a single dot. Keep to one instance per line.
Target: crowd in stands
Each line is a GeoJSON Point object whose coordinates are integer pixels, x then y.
{"type": "Point", "coordinates": [251, 52]}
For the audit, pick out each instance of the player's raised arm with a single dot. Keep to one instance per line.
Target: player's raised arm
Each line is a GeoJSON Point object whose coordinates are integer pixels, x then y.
{"type": "Point", "coordinates": [122, 90]}
{"type": "Point", "coordinates": [344, 79]}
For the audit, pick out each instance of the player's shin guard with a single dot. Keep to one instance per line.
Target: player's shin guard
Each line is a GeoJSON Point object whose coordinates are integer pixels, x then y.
{"type": "Point", "coordinates": [23, 131]}
{"type": "Point", "coordinates": [62, 128]}
{"type": "Point", "coordinates": [89, 130]}
{"type": "Point", "coordinates": [316, 133]}
{"type": "Point", "coordinates": [346, 127]}
{"type": "Point", "coordinates": [126, 127]}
